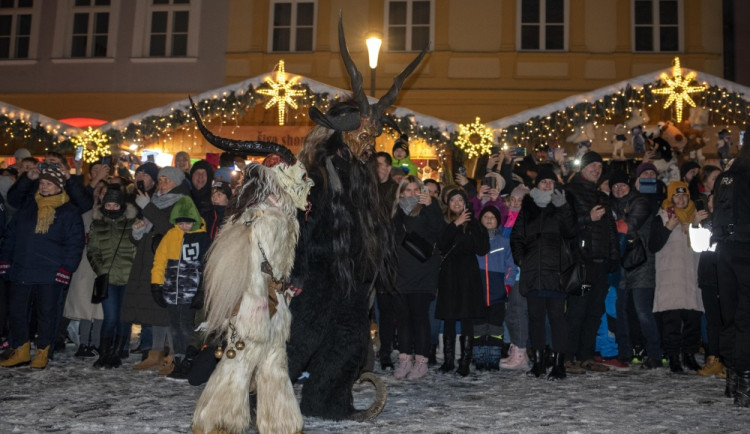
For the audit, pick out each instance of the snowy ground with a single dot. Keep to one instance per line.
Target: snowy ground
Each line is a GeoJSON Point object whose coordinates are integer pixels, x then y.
{"type": "Point", "coordinates": [72, 397]}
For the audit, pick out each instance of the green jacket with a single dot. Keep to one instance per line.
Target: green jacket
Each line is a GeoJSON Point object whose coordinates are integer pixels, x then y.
{"type": "Point", "coordinates": [104, 236]}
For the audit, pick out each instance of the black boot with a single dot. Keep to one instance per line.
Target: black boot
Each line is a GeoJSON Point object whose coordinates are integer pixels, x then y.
{"type": "Point", "coordinates": [732, 382]}
{"type": "Point", "coordinates": [674, 363]}
{"type": "Point", "coordinates": [385, 361]}
{"type": "Point", "coordinates": [113, 357]}
{"type": "Point", "coordinates": [467, 354]}
{"type": "Point", "coordinates": [742, 395]}
{"type": "Point", "coordinates": [432, 356]}
{"type": "Point", "coordinates": [688, 359]}
{"type": "Point", "coordinates": [449, 353]}
{"type": "Point", "coordinates": [538, 369]}
{"type": "Point", "coordinates": [123, 347]}
{"type": "Point", "coordinates": [104, 346]}
{"type": "Point", "coordinates": [558, 368]}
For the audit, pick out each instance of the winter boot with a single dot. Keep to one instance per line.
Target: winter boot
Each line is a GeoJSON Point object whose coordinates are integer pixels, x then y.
{"type": "Point", "coordinates": [517, 360]}
{"type": "Point", "coordinates": [122, 345]}
{"type": "Point", "coordinates": [449, 353]}
{"type": "Point", "coordinates": [713, 366]}
{"type": "Point", "coordinates": [742, 395]}
{"type": "Point", "coordinates": [104, 348]}
{"type": "Point", "coordinates": [182, 368]}
{"type": "Point", "coordinates": [419, 369]}
{"type": "Point", "coordinates": [113, 355]}
{"type": "Point", "coordinates": [467, 350]}
{"type": "Point", "coordinates": [385, 361]}
{"type": "Point", "coordinates": [558, 369]}
{"type": "Point", "coordinates": [732, 382]}
{"type": "Point", "coordinates": [167, 365]}
{"type": "Point", "coordinates": [651, 363]}
{"type": "Point", "coordinates": [405, 363]}
{"type": "Point", "coordinates": [153, 361]}
{"type": "Point", "coordinates": [81, 352]}
{"type": "Point", "coordinates": [19, 356]}
{"type": "Point", "coordinates": [511, 354]}
{"type": "Point", "coordinates": [40, 358]}
{"type": "Point", "coordinates": [480, 353]}
{"type": "Point", "coordinates": [539, 368]}
{"type": "Point", "coordinates": [688, 359]}
{"type": "Point", "coordinates": [674, 363]}
{"type": "Point", "coordinates": [432, 356]}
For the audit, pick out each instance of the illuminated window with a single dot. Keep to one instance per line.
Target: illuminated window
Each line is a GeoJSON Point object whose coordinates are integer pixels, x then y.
{"type": "Point", "coordinates": [90, 30]}
{"type": "Point", "coordinates": [409, 24]}
{"type": "Point", "coordinates": [169, 28]}
{"type": "Point", "coordinates": [293, 26]}
{"type": "Point", "coordinates": [543, 25]}
{"type": "Point", "coordinates": [15, 28]}
{"type": "Point", "coordinates": [657, 25]}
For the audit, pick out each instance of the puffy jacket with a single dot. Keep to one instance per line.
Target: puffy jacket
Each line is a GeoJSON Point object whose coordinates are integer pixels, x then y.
{"type": "Point", "coordinates": [497, 269]}
{"type": "Point", "coordinates": [636, 210]}
{"type": "Point", "coordinates": [178, 263]}
{"type": "Point", "coordinates": [537, 244]}
{"type": "Point", "coordinates": [598, 238]}
{"type": "Point", "coordinates": [36, 258]}
{"type": "Point", "coordinates": [104, 236]}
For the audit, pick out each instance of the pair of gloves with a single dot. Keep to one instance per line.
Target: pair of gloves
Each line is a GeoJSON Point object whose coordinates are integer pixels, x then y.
{"type": "Point", "coordinates": [158, 295]}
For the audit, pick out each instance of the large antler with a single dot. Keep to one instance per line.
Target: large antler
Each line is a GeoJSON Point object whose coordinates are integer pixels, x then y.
{"type": "Point", "coordinates": [241, 146]}
{"type": "Point", "coordinates": [355, 76]}
{"type": "Point", "coordinates": [389, 98]}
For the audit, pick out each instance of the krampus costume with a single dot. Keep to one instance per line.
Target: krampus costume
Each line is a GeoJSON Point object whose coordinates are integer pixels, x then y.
{"type": "Point", "coordinates": [250, 258]}
{"type": "Point", "coordinates": [346, 245]}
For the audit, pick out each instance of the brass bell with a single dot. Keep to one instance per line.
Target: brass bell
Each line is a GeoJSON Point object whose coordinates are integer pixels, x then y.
{"type": "Point", "coordinates": [231, 353]}
{"type": "Point", "coordinates": [218, 353]}
{"type": "Point", "coordinates": [240, 345]}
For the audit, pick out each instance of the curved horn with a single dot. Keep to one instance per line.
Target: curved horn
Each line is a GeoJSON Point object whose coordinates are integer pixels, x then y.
{"type": "Point", "coordinates": [354, 75]}
{"type": "Point", "coordinates": [390, 97]}
{"type": "Point", "coordinates": [241, 146]}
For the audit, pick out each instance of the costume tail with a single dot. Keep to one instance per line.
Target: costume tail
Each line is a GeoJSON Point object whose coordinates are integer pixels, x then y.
{"type": "Point", "coordinates": [381, 396]}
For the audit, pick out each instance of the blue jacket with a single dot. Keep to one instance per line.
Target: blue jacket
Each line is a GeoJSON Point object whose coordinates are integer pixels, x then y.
{"type": "Point", "coordinates": [498, 268]}
{"type": "Point", "coordinates": [36, 258]}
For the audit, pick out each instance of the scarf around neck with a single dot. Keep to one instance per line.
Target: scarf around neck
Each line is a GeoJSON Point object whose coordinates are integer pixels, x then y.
{"type": "Point", "coordinates": [47, 205]}
{"type": "Point", "coordinates": [686, 215]}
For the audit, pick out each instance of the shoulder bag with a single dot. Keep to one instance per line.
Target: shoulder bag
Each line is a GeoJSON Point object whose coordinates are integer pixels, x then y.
{"type": "Point", "coordinates": [635, 254]}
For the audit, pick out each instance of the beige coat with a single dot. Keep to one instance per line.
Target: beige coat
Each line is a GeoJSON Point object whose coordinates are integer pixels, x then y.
{"type": "Point", "coordinates": [78, 304]}
{"type": "Point", "coordinates": [676, 272]}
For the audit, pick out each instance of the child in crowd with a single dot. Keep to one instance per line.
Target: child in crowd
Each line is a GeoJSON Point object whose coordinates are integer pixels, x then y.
{"type": "Point", "coordinates": [176, 278]}
{"type": "Point", "coordinates": [401, 157]}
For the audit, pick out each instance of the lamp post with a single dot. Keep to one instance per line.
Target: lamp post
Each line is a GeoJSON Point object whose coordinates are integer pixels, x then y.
{"type": "Point", "coordinates": [373, 49]}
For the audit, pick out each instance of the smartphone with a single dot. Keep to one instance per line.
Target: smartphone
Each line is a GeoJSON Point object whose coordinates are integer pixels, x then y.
{"type": "Point", "coordinates": [670, 212]}
{"type": "Point", "coordinates": [79, 153]}
{"type": "Point", "coordinates": [700, 204]}
{"type": "Point", "coordinates": [489, 181]}
{"type": "Point", "coordinates": [141, 186]}
{"type": "Point", "coordinates": [495, 150]}
{"type": "Point", "coordinates": [647, 185]}
{"type": "Point", "coordinates": [461, 170]}
{"type": "Point", "coordinates": [150, 158]}
{"type": "Point", "coordinates": [742, 139]}
{"type": "Point", "coordinates": [107, 160]}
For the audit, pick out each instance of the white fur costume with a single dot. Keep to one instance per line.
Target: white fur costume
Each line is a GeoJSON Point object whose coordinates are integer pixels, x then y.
{"type": "Point", "coordinates": [237, 301]}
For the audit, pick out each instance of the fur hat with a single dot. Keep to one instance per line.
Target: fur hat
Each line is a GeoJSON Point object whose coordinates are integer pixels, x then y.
{"type": "Point", "coordinates": [176, 175]}
{"type": "Point", "coordinates": [224, 187]}
{"type": "Point", "coordinates": [644, 167]}
{"type": "Point", "coordinates": [545, 171]}
{"type": "Point", "coordinates": [590, 157]}
{"type": "Point", "coordinates": [402, 143]}
{"type": "Point", "coordinates": [149, 169]}
{"type": "Point", "coordinates": [184, 210]}
{"type": "Point", "coordinates": [53, 175]}
{"type": "Point", "coordinates": [618, 177]}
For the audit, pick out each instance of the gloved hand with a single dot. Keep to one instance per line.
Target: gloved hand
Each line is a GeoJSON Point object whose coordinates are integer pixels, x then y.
{"type": "Point", "coordinates": [558, 198]}
{"type": "Point", "coordinates": [198, 299]}
{"type": "Point", "coordinates": [158, 295]}
{"type": "Point", "coordinates": [62, 276]}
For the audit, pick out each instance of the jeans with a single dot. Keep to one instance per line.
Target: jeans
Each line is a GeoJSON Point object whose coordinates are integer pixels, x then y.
{"type": "Point", "coordinates": [112, 306]}
{"type": "Point", "coordinates": [643, 301]}
{"type": "Point", "coordinates": [412, 317]}
{"type": "Point", "coordinates": [518, 318]}
{"type": "Point", "coordinates": [182, 323]}
{"type": "Point", "coordinates": [48, 301]}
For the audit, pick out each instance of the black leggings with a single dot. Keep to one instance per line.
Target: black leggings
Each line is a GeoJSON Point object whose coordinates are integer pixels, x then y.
{"type": "Point", "coordinates": [553, 308]}
{"type": "Point", "coordinates": [449, 328]}
{"type": "Point", "coordinates": [413, 322]}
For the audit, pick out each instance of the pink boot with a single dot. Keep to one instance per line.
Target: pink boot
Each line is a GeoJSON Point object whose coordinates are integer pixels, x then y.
{"type": "Point", "coordinates": [511, 354]}
{"type": "Point", "coordinates": [405, 362]}
{"type": "Point", "coordinates": [518, 361]}
{"type": "Point", "coordinates": [419, 369]}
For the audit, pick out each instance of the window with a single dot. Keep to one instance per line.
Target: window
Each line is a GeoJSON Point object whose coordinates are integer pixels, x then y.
{"type": "Point", "coordinates": [657, 25]}
{"type": "Point", "coordinates": [293, 25]}
{"type": "Point", "coordinates": [543, 25]}
{"type": "Point", "coordinates": [90, 31]}
{"type": "Point", "coordinates": [169, 28]}
{"type": "Point", "coordinates": [409, 25]}
{"type": "Point", "coordinates": [15, 28]}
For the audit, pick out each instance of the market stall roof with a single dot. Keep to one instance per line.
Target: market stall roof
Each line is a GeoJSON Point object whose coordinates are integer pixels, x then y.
{"type": "Point", "coordinates": [53, 126]}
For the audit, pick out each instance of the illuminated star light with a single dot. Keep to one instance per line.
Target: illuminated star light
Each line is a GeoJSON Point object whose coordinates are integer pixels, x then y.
{"type": "Point", "coordinates": [281, 92]}
{"type": "Point", "coordinates": [98, 139]}
{"type": "Point", "coordinates": [678, 88]}
{"type": "Point", "coordinates": [474, 139]}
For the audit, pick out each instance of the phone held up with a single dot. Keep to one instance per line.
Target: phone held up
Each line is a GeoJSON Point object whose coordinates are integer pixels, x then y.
{"type": "Point", "coordinates": [671, 212]}
{"type": "Point", "coordinates": [79, 153]}
{"type": "Point", "coordinates": [489, 181]}
{"type": "Point", "coordinates": [647, 185]}
{"type": "Point", "coordinates": [141, 186]}
{"type": "Point", "coordinates": [461, 170]}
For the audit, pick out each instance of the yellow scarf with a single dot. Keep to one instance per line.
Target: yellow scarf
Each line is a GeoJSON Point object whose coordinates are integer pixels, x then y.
{"type": "Point", "coordinates": [47, 206]}
{"type": "Point", "coordinates": [685, 215]}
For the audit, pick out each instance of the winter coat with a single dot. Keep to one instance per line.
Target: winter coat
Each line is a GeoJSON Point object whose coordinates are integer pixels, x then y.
{"type": "Point", "coordinates": [104, 237]}
{"type": "Point", "coordinates": [598, 238]}
{"type": "Point", "coordinates": [139, 306]}
{"type": "Point", "coordinates": [676, 268]}
{"type": "Point", "coordinates": [406, 164]}
{"type": "Point", "coordinates": [459, 284]}
{"type": "Point", "coordinates": [636, 211]}
{"type": "Point", "coordinates": [537, 242]}
{"type": "Point", "coordinates": [78, 305]}
{"type": "Point", "coordinates": [497, 269]}
{"type": "Point", "coordinates": [415, 276]}
{"type": "Point", "coordinates": [178, 263]}
{"type": "Point", "coordinates": [36, 258]}
{"type": "Point", "coordinates": [23, 190]}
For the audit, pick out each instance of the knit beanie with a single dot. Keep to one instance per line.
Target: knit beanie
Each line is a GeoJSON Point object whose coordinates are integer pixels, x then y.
{"type": "Point", "coordinates": [114, 195]}
{"type": "Point", "coordinates": [223, 187]}
{"type": "Point", "coordinates": [687, 167]}
{"type": "Point", "coordinates": [402, 143]}
{"type": "Point", "coordinates": [676, 187]}
{"type": "Point", "coordinates": [173, 173]}
{"type": "Point", "coordinates": [590, 157]}
{"type": "Point", "coordinates": [618, 177]}
{"type": "Point", "coordinates": [55, 176]}
{"type": "Point", "coordinates": [644, 167]}
{"type": "Point", "coordinates": [455, 191]}
{"type": "Point", "coordinates": [544, 171]}
{"type": "Point", "coordinates": [20, 154]}
{"type": "Point", "coordinates": [149, 169]}
{"type": "Point", "coordinates": [184, 210]}
{"type": "Point", "coordinates": [520, 191]}
{"type": "Point", "coordinates": [492, 209]}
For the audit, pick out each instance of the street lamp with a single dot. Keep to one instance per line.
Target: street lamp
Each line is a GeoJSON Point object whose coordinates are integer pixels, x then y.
{"type": "Point", "coordinates": [373, 48]}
